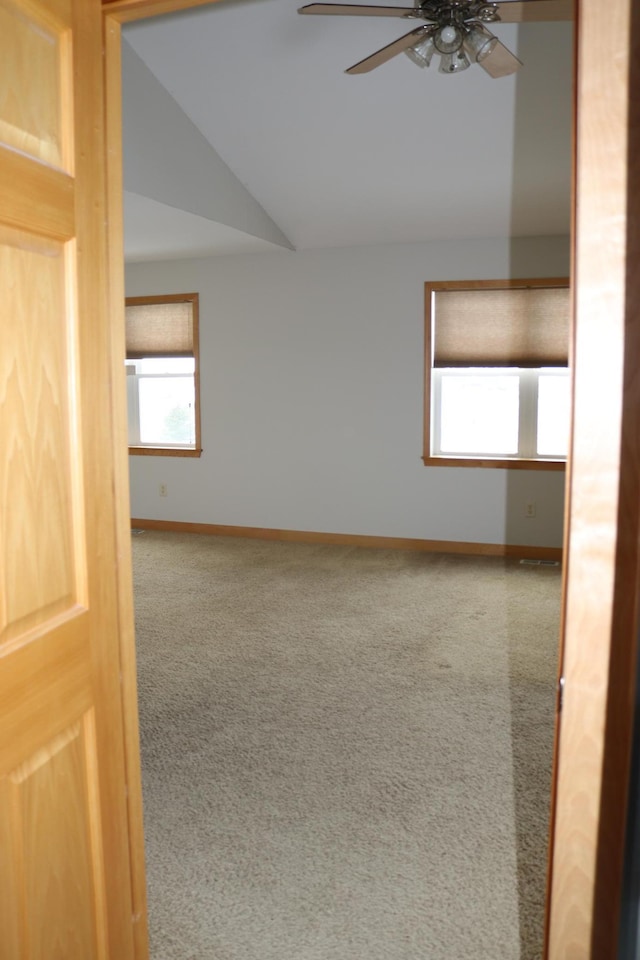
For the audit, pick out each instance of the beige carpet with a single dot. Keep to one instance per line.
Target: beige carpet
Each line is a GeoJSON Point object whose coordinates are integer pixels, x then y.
{"type": "Point", "coordinates": [346, 752]}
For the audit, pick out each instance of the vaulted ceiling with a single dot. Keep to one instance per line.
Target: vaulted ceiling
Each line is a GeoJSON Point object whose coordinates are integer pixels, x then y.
{"type": "Point", "coordinates": [243, 133]}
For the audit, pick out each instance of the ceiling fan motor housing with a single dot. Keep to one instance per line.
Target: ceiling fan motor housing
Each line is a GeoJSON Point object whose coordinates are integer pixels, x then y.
{"type": "Point", "coordinates": [457, 12]}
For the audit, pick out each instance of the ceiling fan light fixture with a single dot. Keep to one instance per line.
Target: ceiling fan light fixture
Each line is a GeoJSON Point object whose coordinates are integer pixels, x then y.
{"type": "Point", "coordinates": [421, 53]}
{"type": "Point", "coordinates": [448, 38]}
{"type": "Point", "coordinates": [454, 62]}
{"type": "Point", "coordinates": [479, 43]}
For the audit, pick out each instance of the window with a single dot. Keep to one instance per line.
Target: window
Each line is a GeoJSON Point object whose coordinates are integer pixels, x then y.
{"type": "Point", "coordinates": [497, 389]}
{"type": "Point", "coordinates": [162, 375]}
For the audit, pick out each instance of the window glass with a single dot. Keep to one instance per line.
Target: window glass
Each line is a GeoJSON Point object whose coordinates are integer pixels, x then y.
{"type": "Point", "coordinates": [554, 403]}
{"type": "Point", "coordinates": [479, 413]}
{"type": "Point", "coordinates": [167, 410]}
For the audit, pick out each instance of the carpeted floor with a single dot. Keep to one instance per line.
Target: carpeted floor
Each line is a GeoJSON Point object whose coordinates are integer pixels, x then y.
{"type": "Point", "coordinates": [346, 752]}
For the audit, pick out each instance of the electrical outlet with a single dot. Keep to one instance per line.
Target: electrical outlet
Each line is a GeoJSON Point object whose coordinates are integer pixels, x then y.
{"type": "Point", "coordinates": [530, 509]}
{"type": "Point", "coordinates": [162, 489]}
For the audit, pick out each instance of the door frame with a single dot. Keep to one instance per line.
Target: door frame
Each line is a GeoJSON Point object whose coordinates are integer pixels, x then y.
{"type": "Point", "coordinates": [600, 619]}
{"type": "Point", "coordinates": [599, 631]}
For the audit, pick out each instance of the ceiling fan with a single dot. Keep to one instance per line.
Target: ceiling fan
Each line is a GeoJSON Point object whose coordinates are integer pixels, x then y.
{"type": "Point", "coordinates": [454, 29]}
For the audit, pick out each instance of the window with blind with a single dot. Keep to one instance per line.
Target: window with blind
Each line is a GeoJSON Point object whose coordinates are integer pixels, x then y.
{"type": "Point", "coordinates": [497, 387]}
{"type": "Point", "coordinates": [162, 375]}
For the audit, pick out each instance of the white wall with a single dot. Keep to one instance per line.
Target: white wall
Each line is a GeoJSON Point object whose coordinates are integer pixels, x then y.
{"type": "Point", "coordinates": [312, 378]}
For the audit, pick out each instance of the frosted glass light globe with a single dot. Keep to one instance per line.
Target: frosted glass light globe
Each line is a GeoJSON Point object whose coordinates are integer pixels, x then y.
{"type": "Point", "coordinates": [448, 38]}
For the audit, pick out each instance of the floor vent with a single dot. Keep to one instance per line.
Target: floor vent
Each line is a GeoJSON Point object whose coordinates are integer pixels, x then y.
{"type": "Point", "coordinates": [541, 563]}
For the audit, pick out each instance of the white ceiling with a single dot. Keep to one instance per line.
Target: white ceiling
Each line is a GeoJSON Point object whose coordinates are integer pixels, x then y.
{"type": "Point", "coordinates": [396, 155]}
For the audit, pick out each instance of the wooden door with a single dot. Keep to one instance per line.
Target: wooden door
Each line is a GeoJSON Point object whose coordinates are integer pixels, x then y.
{"type": "Point", "coordinates": [65, 884]}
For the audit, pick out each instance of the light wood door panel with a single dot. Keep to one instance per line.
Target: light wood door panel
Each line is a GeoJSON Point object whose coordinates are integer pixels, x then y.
{"type": "Point", "coordinates": [37, 57]}
{"type": "Point", "coordinates": [39, 426]}
{"type": "Point", "coordinates": [65, 855]}
{"type": "Point", "coordinates": [51, 804]}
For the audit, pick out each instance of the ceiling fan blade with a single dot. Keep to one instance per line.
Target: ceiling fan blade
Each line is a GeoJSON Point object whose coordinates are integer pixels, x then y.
{"type": "Point", "coordinates": [386, 53]}
{"type": "Point", "coordinates": [523, 11]}
{"type": "Point", "coordinates": [500, 62]}
{"type": "Point", "coordinates": [355, 10]}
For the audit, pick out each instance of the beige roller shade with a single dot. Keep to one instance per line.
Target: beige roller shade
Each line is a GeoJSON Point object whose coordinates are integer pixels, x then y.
{"type": "Point", "coordinates": [159, 329]}
{"type": "Point", "coordinates": [501, 327]}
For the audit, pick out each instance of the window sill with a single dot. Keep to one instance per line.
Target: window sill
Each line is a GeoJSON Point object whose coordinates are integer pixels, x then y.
{"type": "Point", "coordinates": [494, 463]}
{"type": "Point", "coordinates": [165, 451]}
